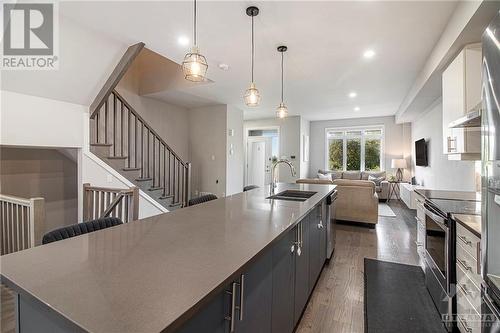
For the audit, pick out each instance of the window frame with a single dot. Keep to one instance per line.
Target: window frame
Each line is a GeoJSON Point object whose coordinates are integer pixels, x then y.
{"type": "Point", "coordinates": [363, 138]}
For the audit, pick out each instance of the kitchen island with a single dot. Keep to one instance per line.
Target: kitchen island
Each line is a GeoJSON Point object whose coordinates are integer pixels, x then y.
{"type": "Point", "coordinates": [228, 264]}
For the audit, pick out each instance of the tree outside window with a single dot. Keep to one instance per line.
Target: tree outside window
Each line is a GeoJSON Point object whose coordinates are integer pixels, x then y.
{"type": "Point", "coordinates": [355, 149]}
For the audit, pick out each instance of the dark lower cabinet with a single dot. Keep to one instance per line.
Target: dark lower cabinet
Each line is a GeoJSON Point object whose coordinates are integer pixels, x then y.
{"type": "Point", "coordinates": [256, 295]}
{"type": "Point", "coordinates": [283, 284]}
{"type": "Point", "coordinates": [317, 245]}
{"type": "Point", "coordinates": [272, 293]}
{"type": "Point", "coordinates": [211, 318]}
{"type": "Point", "coordinates": [302, 269]}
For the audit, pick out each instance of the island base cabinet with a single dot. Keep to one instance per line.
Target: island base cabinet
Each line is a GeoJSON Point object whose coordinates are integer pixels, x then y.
{"type": "Point", "coordinates": [249, 312]}
{"type": "Point", "coordinates": [256, 297]}
{"type": "Point", "coordinates": [212, 318]}
{"type": "Point", "coordinates": [283, 284]}
{"type": "Point", "coordinates": [271, 295]}
{"type": "Point", "coordinates": [317, 246]}
{"type": "Point", "coordinates": [33, 317]}
{"type": "Point", "coordinates": [302, 269]}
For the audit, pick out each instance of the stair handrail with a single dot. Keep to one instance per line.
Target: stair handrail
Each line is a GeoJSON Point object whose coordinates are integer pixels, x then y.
{"type": "Point", "coordinates": [119, 71]}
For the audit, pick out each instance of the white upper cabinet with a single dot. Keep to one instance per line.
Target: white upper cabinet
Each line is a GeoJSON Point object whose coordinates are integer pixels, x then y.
{"type": "Point", "coordinates": [461, 93]}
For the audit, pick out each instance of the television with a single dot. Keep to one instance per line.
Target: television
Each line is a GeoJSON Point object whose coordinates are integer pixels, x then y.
{"type": "Point", "coordinates": [421, 152]}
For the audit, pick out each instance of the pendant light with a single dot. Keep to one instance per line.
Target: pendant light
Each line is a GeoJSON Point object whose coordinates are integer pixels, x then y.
{"type": "Point", "coordinates": [195, 64]}
{"type": "Point", "coordinates": [282, 110]}
{"type": "Point", "coordinates": [252, 95]}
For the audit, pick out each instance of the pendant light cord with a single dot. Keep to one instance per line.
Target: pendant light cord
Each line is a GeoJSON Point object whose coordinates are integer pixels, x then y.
{"type": "Point", "coordinates": [194, 37]}
{"type": "Point", "coordinates": [282, 77]}
{"type": "Point", "coordinates": [253, 49]}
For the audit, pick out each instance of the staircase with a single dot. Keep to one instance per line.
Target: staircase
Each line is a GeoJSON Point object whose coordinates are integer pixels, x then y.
{"type": "Point", "coordinates": [122, 139]}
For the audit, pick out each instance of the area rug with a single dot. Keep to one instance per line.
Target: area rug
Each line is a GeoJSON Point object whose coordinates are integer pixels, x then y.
{"type": "Point", "coordinates": [385, 210]}
{"type": "Point", "coordinates": [396, 299]}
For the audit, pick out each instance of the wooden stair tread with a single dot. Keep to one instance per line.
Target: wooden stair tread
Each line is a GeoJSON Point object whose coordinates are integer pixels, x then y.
{"type": "Point", "coordinates": [175, 204]}
{"type": "Point", "coordinates": [117, 157]}
{"type": "Point", "coordinates": [101, 144]}
{"type": "Point", "coordinates": [143, 179]}
{"type": "Point", "coordinates": [155, 188]}
{"type": "Point", "coordinates": [131, 169]}
{"type": "Point", "coordinates": [166, 196]}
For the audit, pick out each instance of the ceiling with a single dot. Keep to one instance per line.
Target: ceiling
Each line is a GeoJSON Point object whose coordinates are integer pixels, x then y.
{"type": "Point", "coordinates": [325, 40]}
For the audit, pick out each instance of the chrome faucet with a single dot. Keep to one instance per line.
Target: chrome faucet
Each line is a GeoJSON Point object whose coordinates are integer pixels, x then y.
{"type": "Point", "coordinates": [273, 180]}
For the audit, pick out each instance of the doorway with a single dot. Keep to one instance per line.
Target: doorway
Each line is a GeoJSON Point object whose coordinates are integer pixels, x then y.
{"type": "Point", "coordinates": [262, 148]}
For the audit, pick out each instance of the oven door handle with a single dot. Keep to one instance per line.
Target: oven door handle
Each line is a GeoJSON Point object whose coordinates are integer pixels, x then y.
{"type": "Point", "coordinates": [434, 216]}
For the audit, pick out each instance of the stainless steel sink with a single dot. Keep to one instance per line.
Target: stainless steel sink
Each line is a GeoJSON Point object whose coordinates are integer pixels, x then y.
{"type": "Point", "coordinates": [293, 195]}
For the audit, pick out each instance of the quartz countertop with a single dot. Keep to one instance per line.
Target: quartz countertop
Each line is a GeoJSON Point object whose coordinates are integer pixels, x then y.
{"type": "Point", "coordinates": [449, 195]}
{"type": "Point", "coordinates": [151, 275]}
{"type": "Point", "coordinates": [471, 222]}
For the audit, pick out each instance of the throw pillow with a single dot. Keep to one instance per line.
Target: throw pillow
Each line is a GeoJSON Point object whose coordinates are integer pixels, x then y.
{"type": "Point", "coordinates": [336, 175]}
{"type": "Point", "coordinates": [323, 176]}
{"type": "Point", "coordinates": [376, 180]}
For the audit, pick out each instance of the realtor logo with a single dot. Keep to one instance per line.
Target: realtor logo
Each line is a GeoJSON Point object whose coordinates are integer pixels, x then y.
{"type": "Point", "coordinates": [29, 33]}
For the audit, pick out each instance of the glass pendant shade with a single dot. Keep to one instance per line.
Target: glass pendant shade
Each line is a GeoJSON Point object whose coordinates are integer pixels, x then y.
{"type": "Point", "coordinates": [252, 96]}
{"type": "Point", "coordinates": [194, 66]}
{"type": "Point", "coordinates": [282, 111]}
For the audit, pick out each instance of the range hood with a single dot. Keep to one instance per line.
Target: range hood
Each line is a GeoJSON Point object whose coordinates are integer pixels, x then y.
{"type": "Point", "coordinates": [471, 119]}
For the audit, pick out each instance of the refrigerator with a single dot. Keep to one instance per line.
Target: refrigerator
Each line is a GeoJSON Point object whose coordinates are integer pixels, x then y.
{"type": "Point", "coordinates": [490, 156]}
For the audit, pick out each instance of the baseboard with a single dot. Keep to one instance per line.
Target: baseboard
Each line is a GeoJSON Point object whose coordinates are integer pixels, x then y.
{"type": "Point", "coordinates": [355, 223]}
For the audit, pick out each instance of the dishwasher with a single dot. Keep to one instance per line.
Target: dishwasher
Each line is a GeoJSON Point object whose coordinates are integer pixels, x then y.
{"type": "Point", "coordinates": [329, 209]}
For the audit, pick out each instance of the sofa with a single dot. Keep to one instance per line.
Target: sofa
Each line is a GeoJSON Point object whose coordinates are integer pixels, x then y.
{"type": "Point", "coordinates": [381, 183]}
{"type": "Point", "coordinates": [357, 200]}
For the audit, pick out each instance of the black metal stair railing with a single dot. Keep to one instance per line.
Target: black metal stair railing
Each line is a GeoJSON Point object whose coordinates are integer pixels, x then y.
{"type": "Point", "coordinates": [116, 124]}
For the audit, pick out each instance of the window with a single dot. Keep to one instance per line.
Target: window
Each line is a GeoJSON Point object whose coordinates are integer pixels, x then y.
{"type": "Point", "coordinates": [354, 149]}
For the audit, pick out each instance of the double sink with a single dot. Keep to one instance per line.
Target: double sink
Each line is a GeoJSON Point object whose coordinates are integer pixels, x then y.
{"type": "Point", "coordinates": [292, 195]}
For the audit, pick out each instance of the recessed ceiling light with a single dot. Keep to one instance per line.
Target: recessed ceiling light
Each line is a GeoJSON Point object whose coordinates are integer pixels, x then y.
{"type": "Point", "coordinates": [353, 94]}
{"type": "Point", "coordinates": [357, 108]}
{"type": "Point", "coordinates": [183, 40]}
{"type": "Point", "coordinates": [224, 67]}
{"type": "Point", "coordinates": [368, 54]}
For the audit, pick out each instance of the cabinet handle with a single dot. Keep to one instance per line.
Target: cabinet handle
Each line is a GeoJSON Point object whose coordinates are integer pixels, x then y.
{"type": "Point", "coordinates": [464, 239]}
{"type": "Point", "coordinates": [242, 295]}
{"type": "Point", "coordinates": [463, 263]}
{"type": "Point", "coordinates": [297, 241]}
{"type": "Point", "coordinates": [292, 249]}
{"type": "Point", "coordinates": [320, 224]}
{"type": "Point", "coordinates": [233, 307]}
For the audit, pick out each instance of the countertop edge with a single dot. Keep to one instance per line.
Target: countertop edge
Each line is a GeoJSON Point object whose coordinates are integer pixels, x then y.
{"type": "Point", "coordinates": [466, 226]}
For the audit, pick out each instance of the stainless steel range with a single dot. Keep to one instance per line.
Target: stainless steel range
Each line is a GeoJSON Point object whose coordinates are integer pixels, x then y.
{"type": "Point", "coordinates": [440, 237]}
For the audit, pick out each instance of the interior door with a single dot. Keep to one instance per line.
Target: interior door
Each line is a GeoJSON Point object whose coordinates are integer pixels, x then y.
{"type": "Point", "coordinates": [259, 152]}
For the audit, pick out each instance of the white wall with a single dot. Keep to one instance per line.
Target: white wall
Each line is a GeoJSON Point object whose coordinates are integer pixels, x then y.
{"type": "Point", "coordinates": [441, 173]}
{"type": "Point", "coordinates": [289, 129]}
{"type": "Point", "coordinates": [207, 142]}
{"type": "Point", "coordinates": [396, 145]}
{"type": "Point", "coordinates": [304, 131]}
{"type": "Point", "coordinates": [35, 121]}
{"type": "Point", "coordinates": [235, 155]}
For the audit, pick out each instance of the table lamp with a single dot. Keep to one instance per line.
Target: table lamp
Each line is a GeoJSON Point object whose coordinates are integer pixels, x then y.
{"type": "Point", "coordinates": [398, 163]}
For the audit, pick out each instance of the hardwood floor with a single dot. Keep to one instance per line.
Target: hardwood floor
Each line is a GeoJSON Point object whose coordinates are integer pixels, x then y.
{"type": "Point", "coordinates": [7, 319]}
{"type": "Point", "coordinates": [337, 302]}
